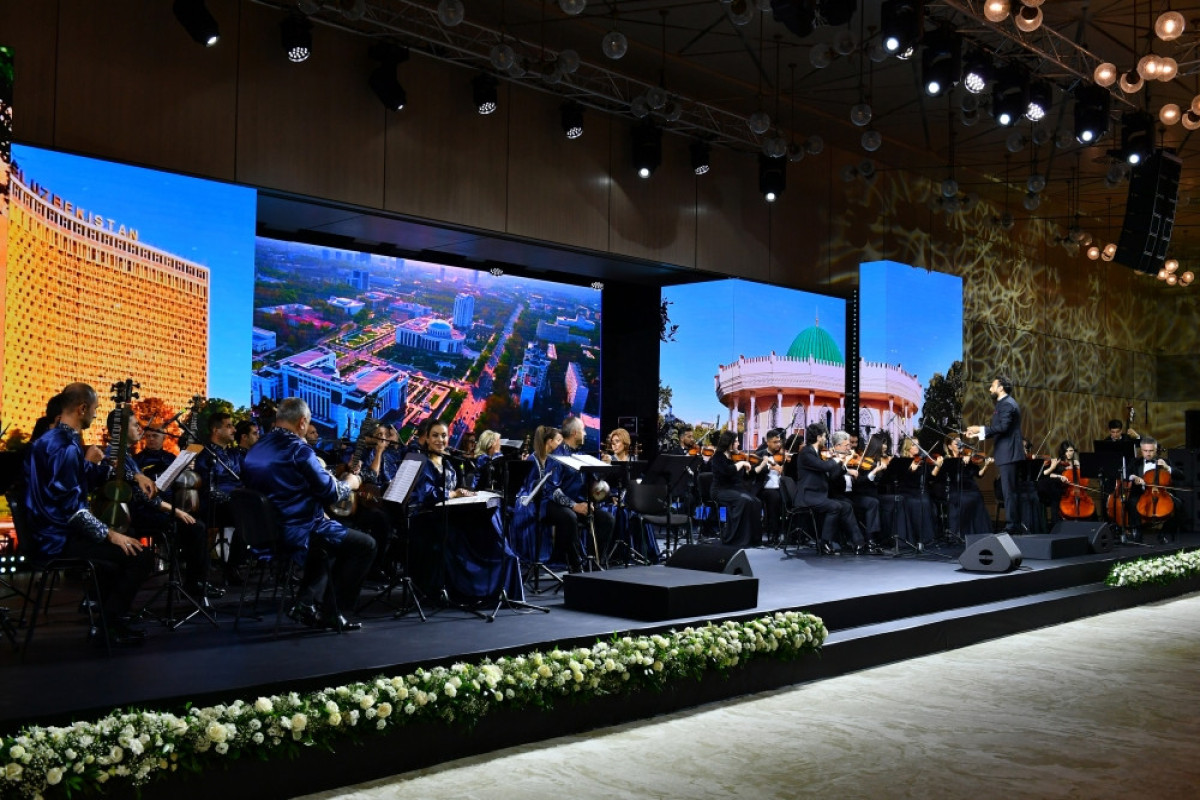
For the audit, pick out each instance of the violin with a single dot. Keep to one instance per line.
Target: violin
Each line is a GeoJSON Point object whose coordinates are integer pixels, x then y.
{"type": "Point", "coordinates": [753, 459]}
{"type": "Point", "coordinates": [707, 451]}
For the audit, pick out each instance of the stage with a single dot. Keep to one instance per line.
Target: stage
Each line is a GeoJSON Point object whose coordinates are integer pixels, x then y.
{"type": "Point", "coordinates": [877, 608]}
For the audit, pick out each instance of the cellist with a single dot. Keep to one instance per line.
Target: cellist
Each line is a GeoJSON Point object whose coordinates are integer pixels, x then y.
{"type": "Point", "coordinates": [1147, 470]}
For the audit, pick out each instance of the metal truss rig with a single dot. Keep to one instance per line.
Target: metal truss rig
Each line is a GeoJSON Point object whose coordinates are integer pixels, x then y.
{"type": "Point", "coordinates": [468, 44]}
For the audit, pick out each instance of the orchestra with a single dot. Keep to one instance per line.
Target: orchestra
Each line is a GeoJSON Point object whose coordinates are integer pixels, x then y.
{"type": "Point", "coordinates": [468, 534]}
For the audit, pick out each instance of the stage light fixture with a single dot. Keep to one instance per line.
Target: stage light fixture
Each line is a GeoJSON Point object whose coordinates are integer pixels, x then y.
{"type": "Point", "coordinates": [1105, 74]}
{"type": "Point", "coordinates": [1041, 95]}
{"type": "Point", "coordinates": [977, 72]}
{"type": "Point", "coordinates": [485, 93]}
{"type": "Point", "coordinates": [1010, 96]}
{"type": "Point", "coordinates": [383, 79]}
{"type": "Point", "coordinates": [295, 34]}
{"type": "Point", "coordinates": [1169, 26]}
{"type": "Point", "coordinates": [1092, 104]}
{"type": "Point", "coordinates": [900, 24]}
{"type": "Point", "coordinates": [1137, 136]}
{"type": "Point", "coordinates": [1169, 114]}
{"type": "Point", "coordinates": [572, 119]}
{"type": "Point", "coordinates": [941, 61]}
{"type": "Point", "coordinates": [996, 10]}
{"type": "Point", "coordinates": [647, 148]}
{"type": "Point", "coordinates": [1028, 19]}
{"type": "Point", "coordinates": [772, 177]}
{"type": "Point", "coordinates": [701, 157]}
{"type": "Point", "coordinates": [195, 18]}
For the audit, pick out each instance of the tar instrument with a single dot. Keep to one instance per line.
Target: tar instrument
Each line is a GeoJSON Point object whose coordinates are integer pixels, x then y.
{"type": "Point", "coordinates": [367, 494]}
{"type": "Point", "coordinates": [113, 505]}
{"type": "Point", "coordinates": [1156, 503]}
{"type": "Point", "coordinates": [187, 486]}
{"type": "Point", "coordinates": [1075, 502]}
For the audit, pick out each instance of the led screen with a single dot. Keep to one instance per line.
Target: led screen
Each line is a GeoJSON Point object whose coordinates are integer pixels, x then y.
{"type": "Point", "coordinates": [347, 329]}
{"type": "Point", "coordinates": [760, 355]}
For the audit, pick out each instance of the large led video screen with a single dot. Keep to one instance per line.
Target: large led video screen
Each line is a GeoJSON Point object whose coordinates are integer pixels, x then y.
{"type": "Point", "coordinates": [116, 272]}
{"type": "Point", "coordinates": [356, 333]}
{"type": "Point", "coordinates": [911, 327]}
{"type": "Point", "coordinates": [751, 355]}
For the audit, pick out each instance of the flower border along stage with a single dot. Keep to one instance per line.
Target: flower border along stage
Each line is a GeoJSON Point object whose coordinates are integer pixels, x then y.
{"type": "Point", "coordinates": [135, 747]}
{"type": "Point", "coordinates": [1158, 570]}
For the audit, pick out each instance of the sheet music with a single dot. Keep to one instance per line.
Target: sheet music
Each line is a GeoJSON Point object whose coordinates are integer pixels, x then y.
{"type": "Point", "coordinates": [515, 444]}
{"type": "Point", "coordinates": [490, 499]}
{"type": "Point", "coordinates": [177, 466]}
{"type": "Point", "coordinates": [525, 499]}
{"type": "Point", "coordinates": [406, 476]}
{"type": "Point", "coordinates": [579, 461]}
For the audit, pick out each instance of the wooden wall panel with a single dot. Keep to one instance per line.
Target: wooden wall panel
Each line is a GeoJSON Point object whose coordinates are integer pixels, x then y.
{"type": "Point", "coordinates": [132, 86]}
{"type": "Point", "coordinates": [31, 30]}
{"type": "Point", "coordinates": [558, 189]}
{"type": "Point", "coordinates": [653, 218]}
{"type": "Point", "coordinates": [732, 222]}
{"type": "Point", "coordinates": [445, 161]}
{"type": "Point", "coordinates": [313, 128]}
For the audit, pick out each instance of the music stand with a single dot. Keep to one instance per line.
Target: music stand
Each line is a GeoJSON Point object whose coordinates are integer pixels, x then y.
{"type": "Point", "coordinates": [398, 492]}
{"type": "Point", "coordinates": [627, 472]}
{"type": "Point", "coordinates": [592, 470]}
{"type": "Point", "coordinates": [894, 474]}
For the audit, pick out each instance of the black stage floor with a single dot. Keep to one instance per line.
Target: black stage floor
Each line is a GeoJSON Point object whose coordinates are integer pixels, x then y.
{"type": "Point", "coordinates": [63, 677]}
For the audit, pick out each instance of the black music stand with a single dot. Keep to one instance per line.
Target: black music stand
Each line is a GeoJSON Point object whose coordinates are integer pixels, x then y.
{"type": "Point", "coordinates": [591, 473]}
{"type": "Point", "coordinates": [629, 471]}
{"type": "Point", "coordinates": [398, 492]}
{"type": "Point", "coordinates": [515, 476]}
{"type": "Point", "coordinates": [893, 475]}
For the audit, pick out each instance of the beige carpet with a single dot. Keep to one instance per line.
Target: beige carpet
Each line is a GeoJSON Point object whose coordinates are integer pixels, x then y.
{"type": "Point", "coordinates": [1104, 707]}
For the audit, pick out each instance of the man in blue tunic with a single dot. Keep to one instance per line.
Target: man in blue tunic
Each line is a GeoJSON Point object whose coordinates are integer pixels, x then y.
{"type": "Point", "coordinates": [286, 469]}
{"type": "Point", "coordinates": [59, 471]}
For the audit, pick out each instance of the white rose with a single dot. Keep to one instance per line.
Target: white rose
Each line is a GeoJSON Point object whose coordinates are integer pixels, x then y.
{"type": "Point", "coordinates": [17, 751]}
{"type": "Point", "coordinates": [216, 732]}
{"type": "Point", "coordinates": [450, 690]}
{"type": "Point", "coordinates": [383, 710]}
{"type": "Point", "coordinates": [299, 722]}
{"type": "Point", "coordinates": [335, 718]}
{"type": "Point", "coordinates": [366, 702]}
{"type": "Point", "coordinates": [263, 705]}
{"type": "Point", "coordinates": [13, 771]}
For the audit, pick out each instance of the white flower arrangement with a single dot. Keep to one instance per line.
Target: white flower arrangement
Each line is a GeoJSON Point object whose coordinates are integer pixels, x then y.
{"type": "Point", "coordinates": [1157, 570]}
{"type": "Point", "coordinates": [133, 747]}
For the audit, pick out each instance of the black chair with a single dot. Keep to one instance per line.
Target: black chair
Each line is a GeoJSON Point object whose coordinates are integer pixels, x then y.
{"type": "Point", "coordinates": [652, 503]}
{"type": "Point", "coordinates": [254, 517]}
{"type": "Point", "coordinates": [44, 575]}
{"type": "Point", "coordinates": [800, 528]}
{"type": "Point", "coordinates": [704, 482]}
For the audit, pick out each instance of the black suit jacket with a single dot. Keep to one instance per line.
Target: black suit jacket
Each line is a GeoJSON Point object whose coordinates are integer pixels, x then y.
{"type": "Point", "coordinates": [814, 475]}
{"type": "Point", "coordinates": [1005, 431]}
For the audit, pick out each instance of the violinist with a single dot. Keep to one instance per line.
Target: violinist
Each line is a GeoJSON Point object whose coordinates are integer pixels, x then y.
{"type": "Point", "coordinates": [771, 475]}
{"type": "Point", "coordinates": [915, 487]}
{"type": "Point", "coordinates": [1147, 473]}
{"type": "Point", "coordinates": [966, 511]}
{"type": "Point", "coordinates": [866, 507]}
{"type": "Point", "coordinates": [743, 526]}
{"type": "Point", "coordinates": [812, 491]}
{"type": "Point", "coordinates": [59, 471]}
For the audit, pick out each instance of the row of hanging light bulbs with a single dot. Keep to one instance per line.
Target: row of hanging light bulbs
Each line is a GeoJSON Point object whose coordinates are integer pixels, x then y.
{"type": "Point", "coordinates": [1027, 18]}
{"type": "Point", "coordinates": [1170, 274]}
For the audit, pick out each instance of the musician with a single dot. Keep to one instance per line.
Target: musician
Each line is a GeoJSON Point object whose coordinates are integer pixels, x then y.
{"type": "Point", "coordinates": [466, 561]}
{"type": "Point", "coordinates": [284, 467]}
{"type": "Point", "coordinates": [417, 444]}
{"type": "Point", "coordinates": [770, 486]}
{"type": "Point", "coordinates": [152, 458]}
{"type": "Point", "coordinates": [573, 485]}
{"type": "Point", "coordinates": [1033, 515]}
{"type": "Point", "coordinates": [687, 440]}
{"type": "Point", "coordinates": [1052, 483]}
{"type": "Point", "coordinates": [916, 490]}
{"type": "Point", "coordinates": [1148, 462]}
{"type": "Point", "coordinates": [245, 434]}
{"type": "Point", "coordinates": [866, 505]}
{"type": "Point", "coordinates": [49, 420]}
{"type": "Point", "coordinates": [487, 470]}
{"type": "Point", "coordinates": [59, 471]}
{"type": "Point", "coordinates": [376, 472]}
{"type": "Point", "coordinates": [814, 473]}
{"type": "Point", "coordinates": [743, 511]}
{"type": "Point", "coordinates": [219, 466]}
{"type": "Point", "coordinates": [1005, 430]}
{"type": "Point", "coordinates": [961, 468]}
{"type": "Point", "coordinates": [1117, 432]}
{"type": "Point", "coordinates": [159, 516]}
{"type": "Point", "coordinates": [551, 507]}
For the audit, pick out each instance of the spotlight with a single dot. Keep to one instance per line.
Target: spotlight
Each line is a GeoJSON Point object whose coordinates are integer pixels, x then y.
{"type": "Point", "coordinates": [1137, 136]}
{"type": "Point", "coordinates": [900, 24]}
{"type": "Point", "coordinates": [772, 177]}
{"type": "Point", "coordinates": [572, 119]}
{"type": "Point", "coordinates": [383, 79]}
{"type": "Point", "coordinates": [195, 18]}
{"type": "Point", "coordinates": [701, 157]}
{"type": "Point", "coordinates": [598, 286]}
{"type": "Point", "coordinates": [977, 72]}
{"type": "Point", "coordinates": [295, 33]}
{"type": "Point", "coordinates": [941, 61]}
{"type": "Point", "coordinates": [1010, 96]}
{"type": "Point", "coordinates": [647, 148]}
{"type": "Point", "coordinates": [483, 90]}
{"type": "Point", "coordinates": [1041, 95]}
{"type": "Point", "coordinates": [1092, 105]}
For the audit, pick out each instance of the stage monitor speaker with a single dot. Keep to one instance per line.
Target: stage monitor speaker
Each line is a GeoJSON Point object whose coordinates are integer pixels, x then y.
{"type": "Point", "coordinates": [1150, 213]}
{"type": "Point", "coordinates": [711, 558]}
{"type": "Point", "coordinates": [1191, 424]}
{"type": "Point", "coordinates": [995, 552]}
{"type": "Point", "coordinates": [1101, 536]}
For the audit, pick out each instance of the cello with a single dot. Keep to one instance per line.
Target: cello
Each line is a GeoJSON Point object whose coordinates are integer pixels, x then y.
{"type": "Point", "coordinates": [1156, 503]}
{"type": "Point", "coordinates": [1075, 502]}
